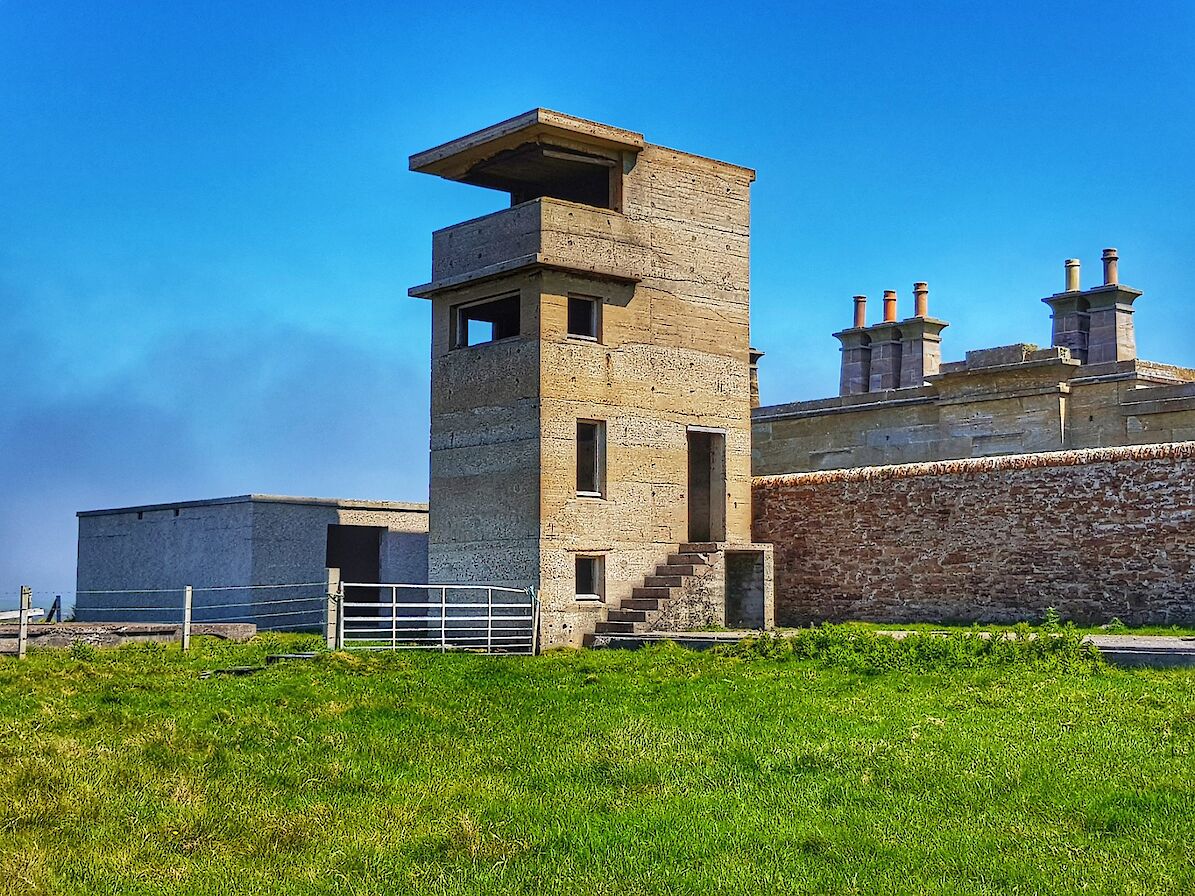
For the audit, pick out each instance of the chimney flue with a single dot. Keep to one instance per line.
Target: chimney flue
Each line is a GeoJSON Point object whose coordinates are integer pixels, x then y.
{"type": "Point", "coordinates": [921, 299]}
{"type": "Point", "coordinates": [1072, 275]}
{"type": "Point", "coordinates": [889, 305]}
{"type": "Point", "coordinates": [860, 312]}
{"type": "Point", "coordinates": [1111, 273]}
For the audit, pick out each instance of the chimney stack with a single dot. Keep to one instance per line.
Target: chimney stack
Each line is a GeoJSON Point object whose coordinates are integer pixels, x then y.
{"type": "Point", "coordinates": [1095, 324]}
{"type": "Point", "coordinates": [921, 299]}
{"type": "Point", "coordinates": [1072, 275]}
{"type": "Point", "coordinates": [920, 341]}
{"type": "Point", "coordinates": [885, 348]}
{"type": "Point", "coordinates": [1110, 309]}
{"type": "Point", "coordinates": [856, 353]}
{"type": "Point", "coordinates": [889, 305]}
{"type": "Point", "coordinates": [1111, 274]}
{"type": "Point", "coordinates": [753, 356]}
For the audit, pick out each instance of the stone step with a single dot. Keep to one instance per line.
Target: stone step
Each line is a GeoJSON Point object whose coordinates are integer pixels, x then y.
{"type": "Point", "coordinates": [615, 628]}
{"type": "Point", "coordinates": [656, 593]}
{"type": "Point", "coordinates": [699, 547]}
{"type": "Point", "coordinates": [662, 582]}
{"type": "Point", "coordinates": [626, 614]}
{"type": "Point", "coordinates": [677, 569]}
{"type": "Point", "coordinates": [644, 603]}
{"type": "Point", "coordinates": [690, 559]}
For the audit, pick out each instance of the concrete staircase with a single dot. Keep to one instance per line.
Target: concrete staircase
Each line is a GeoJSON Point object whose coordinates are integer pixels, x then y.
{"type": "Point", "coordinates": [649, 601]}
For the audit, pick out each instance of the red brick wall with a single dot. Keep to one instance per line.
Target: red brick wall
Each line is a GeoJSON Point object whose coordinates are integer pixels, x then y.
{"type": "Point", "coordinates": [1096, 534]}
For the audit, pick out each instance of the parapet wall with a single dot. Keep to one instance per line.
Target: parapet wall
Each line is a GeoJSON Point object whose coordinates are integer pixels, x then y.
{"type": "Point", "coordinates": [1096, 534]}
{"type": "Point", "coordinates": [1008, 400]}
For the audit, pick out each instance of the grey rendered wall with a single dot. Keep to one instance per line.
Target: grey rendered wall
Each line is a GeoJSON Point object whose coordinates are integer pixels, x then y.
{"type": "Point", "coordinates": [200, 546]}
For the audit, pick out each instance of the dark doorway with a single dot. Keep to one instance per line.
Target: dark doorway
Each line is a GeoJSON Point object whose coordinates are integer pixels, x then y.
{"type": "Point", "coordinates": [707, 485]}
{"type": "Point", "coordinates": [356, 551]}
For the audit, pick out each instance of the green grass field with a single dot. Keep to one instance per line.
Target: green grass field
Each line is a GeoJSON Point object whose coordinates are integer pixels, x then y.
{"type": "Point", "coordinates": [837, 766]}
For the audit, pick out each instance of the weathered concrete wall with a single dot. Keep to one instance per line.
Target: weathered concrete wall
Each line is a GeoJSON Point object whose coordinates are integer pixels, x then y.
{"type": "Point", "coordinates": [229, 543]}
{"type": "Point", "coordinates": [673, 353]}
{"type": "Point", "coordinates": [671, 271]}
{"type": "Point", "coordinates": [161, 547]}
{"type": "Point", "coordinates": [1096, 534]}
{"type": "Point", "coordinates": [485, 446]}
{"type": "Point", "coordinates": [1011, 400]}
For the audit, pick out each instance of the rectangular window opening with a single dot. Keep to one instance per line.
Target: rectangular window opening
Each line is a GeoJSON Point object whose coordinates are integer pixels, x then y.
{"type": "Point", "coordinates": [591, 461]}
{"type": "Point", "coordinates": [590, 578]}
{"type": "Point", "coordinates": [584, 318]}
{"type": "Point", "coordinates": [487, 321]}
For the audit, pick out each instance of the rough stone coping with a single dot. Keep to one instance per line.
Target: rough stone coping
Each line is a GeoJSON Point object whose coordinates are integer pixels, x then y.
{"type": "Point", "coordinates": [339, 503]}
{"type": "Point", "coordinates": [974, 465]}
{"type": "Point", "coordinates": [113, 634]}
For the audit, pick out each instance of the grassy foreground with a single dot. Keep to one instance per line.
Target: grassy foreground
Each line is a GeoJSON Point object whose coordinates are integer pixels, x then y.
{"type": "Point", "coordinates": [837, 766]}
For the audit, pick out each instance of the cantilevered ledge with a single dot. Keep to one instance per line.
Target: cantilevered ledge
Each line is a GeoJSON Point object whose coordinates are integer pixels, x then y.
{"type": "Point", "coordinates": [455, 159]}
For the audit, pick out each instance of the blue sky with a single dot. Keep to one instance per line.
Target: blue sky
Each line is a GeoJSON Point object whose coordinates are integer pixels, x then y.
{"type": "Point", "coordinates": [207, 227]}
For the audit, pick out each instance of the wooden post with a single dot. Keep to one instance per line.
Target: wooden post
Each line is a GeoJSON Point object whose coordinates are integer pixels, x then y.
{"type": "Point", "coordinates": [332, 613]}
{"type": "Point", "coordinates": [187, 599]}
{"type": "Point", "coordinates": [23, 621]}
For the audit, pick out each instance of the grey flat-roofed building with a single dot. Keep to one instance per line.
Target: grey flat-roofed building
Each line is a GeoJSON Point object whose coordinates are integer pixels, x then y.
{"type": "Point", "coordinates": [142, 557]}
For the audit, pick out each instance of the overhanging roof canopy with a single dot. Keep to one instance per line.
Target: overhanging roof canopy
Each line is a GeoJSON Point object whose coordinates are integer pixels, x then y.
{"type": "Point", "coordinates": [530, 148]}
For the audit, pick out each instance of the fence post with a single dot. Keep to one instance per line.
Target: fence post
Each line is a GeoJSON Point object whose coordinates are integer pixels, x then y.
{"type": "Point", "coordinates": [55, 614]}
{"type": "Point", "coordinates": [332, 613]}
{"type": "Point", "coordinates": [443, 619]}
{"type": "Point", "coordinates": [188, 597]}
{"type": "Point", "coordinates": [341, 612]}
{"type": "Point", "coordinates": [489, 620]}
{"type": "Point", "coordinates": [23, 621]}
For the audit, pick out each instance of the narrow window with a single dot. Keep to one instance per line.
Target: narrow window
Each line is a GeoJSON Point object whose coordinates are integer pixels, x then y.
{"type": "Point", "coordinates": [486, 321]}
{"type": "Point", "coordinates": [590, 458]}
{"type": "Point", "coordinates": [590, 578]}
{"type": "Point", "coordinates": [583, 318]}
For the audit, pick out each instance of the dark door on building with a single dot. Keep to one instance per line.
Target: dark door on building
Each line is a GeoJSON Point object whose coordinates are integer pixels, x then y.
{"type": "Point", "coordinates": [707, 485]}
{"type": "Point", "coordinates": [357, 552]}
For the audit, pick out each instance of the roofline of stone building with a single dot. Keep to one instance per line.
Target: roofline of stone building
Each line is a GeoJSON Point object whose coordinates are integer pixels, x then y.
{"type": "Point", "coordinates": [339, 503]}
{"type": "Point", "coordinates": [1152, 373]}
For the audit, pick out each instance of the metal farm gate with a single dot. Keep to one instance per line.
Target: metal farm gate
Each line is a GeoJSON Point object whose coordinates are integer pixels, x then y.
{"type": "Point", "coordinates": [387, 616]}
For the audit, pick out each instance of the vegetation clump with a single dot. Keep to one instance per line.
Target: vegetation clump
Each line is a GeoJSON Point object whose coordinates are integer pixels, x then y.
{"type": "Point", "coordinates": [863, 650]}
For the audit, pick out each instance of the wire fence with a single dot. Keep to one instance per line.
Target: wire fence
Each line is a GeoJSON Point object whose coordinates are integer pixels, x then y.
{"type": "Point", "coordinates": [355, 615]}
{"type": "Point", "coordinates": [289, 606]}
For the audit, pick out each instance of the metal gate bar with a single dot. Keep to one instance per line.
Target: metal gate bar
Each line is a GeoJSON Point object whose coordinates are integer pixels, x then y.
{"type": "Point", "coordinates": [505, 620]}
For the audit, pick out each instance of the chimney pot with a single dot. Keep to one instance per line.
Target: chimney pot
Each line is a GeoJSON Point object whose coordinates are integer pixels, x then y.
{"type": "Point", "coordinates": [860, 311]}
{"type": "Point", "coordinates": [1072, 275]}
{"type": "Point", "coordinates": [921, 299]}
{"type": "Point", "coordinates": [1111, 272]}
{"type": "Point", "coordinates": [889, 304]}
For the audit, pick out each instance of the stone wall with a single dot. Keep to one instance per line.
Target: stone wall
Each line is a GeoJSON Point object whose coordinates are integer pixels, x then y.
{"type": "Point", "coordinates": [1097, 534]}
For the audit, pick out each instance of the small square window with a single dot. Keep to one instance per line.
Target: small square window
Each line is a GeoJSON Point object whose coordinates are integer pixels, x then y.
{"type": "Point", "coordinates": [591, 458]}
{"type": "Point", "coordinates": [590, 579]}
{"type": "Point", "coordinates": [584, 318]}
